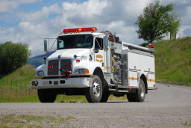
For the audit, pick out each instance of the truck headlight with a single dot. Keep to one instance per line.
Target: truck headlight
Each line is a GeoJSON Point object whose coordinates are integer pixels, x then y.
{"type": "Point", "coordinates": [81, 71]}
{"type": "Point", "coordinates": [40, 73]}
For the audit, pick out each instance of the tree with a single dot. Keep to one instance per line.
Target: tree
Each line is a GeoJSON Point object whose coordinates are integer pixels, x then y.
{"type": "Point", "coordinates": [156, 22]}
{"type": "Point", "coordinates": [12, 56]}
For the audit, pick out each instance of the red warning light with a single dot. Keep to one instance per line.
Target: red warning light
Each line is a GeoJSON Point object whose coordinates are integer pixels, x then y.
{"type": "Point", "coordinates": [50, 67]}
{"type": "Point", "coordinates": [72, 30]}
{"type": "Point", "coordinates": [77, 61]}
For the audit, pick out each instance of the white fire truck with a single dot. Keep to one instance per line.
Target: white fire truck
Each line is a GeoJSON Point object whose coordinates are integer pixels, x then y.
{"type": "Point", "coordinates": [95, 64]}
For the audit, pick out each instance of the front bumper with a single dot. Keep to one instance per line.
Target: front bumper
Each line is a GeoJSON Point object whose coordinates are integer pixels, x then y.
{"type": "Point", "coordinates": [81, 82]}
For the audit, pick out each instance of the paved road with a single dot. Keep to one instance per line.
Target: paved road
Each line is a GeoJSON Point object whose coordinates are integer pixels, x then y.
{"type": "Point", "coordinates": [167, 107]}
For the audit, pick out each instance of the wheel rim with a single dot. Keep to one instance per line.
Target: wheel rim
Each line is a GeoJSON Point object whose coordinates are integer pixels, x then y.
{"type": "Point", "coordinates": [96, 89]}
{"type": "Point", "coordinates": [142, 91]}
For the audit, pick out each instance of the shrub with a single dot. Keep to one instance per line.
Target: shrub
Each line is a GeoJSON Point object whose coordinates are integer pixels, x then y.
{"type": "Point", "coordinates": [12, 56]}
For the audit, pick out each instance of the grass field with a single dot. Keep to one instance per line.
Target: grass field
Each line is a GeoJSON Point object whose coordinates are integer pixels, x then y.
{"type": "Point", "coordinates": [15, 86]}
{"type": "Point", "coordinates": [173, 61]}
{"type": "Point", "coordinates": [34, 121]}
{"type": "Point", "coordinates": [173, 65]}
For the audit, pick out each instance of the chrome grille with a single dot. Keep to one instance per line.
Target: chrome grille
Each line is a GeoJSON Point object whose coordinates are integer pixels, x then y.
{"type": "Point", "coordinates": [53, 67]}
{"type": "Point", "coordinates": [65, 67]}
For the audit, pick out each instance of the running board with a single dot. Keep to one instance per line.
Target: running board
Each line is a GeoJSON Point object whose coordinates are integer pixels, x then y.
{"type": "Point", "coordinates": [118, 90]}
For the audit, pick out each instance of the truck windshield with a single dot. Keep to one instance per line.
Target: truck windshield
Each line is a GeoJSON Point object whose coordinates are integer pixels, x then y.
{"type": "Point", "coordinates": [75, 41]}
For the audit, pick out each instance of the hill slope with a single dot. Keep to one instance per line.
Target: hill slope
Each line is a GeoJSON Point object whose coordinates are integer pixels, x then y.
{"type": "Point", "coordinates": [173, 61]}
{"type": "Point", "coordinates": [15, 87]}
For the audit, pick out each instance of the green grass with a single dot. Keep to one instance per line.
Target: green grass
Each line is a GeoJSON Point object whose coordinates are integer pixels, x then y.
{"type": "Point", "coordinates": [31, 121]}
{"type": "Point", "coordinates": [20, 77]}
{"type": "Point", "coordinates": [15, 87]}
{"type": "Point", "coordinates": [82, 99]}
{"type": "Point", "coordinates": [188, 124]}
{"type": "Point", "coordinates": [173, 61]}
{"type": "Point", "coordinates": [70, 99]}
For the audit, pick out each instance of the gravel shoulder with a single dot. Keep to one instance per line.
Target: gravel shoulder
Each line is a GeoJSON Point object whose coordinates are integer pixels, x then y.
{"type": "Point", "coordinates": [167, 107]}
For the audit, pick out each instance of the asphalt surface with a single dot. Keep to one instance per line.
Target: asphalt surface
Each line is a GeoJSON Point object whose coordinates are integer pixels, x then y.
{"type": "Point", "coordinates": [167, 107]}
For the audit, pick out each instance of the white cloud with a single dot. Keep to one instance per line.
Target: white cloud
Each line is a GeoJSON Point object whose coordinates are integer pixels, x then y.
{"type": "Point", "coordinates": [97, 11]}
{"type": "Point", "coordinates": [6, 5]}
{"type": "Point", "coordinates": [10, 5]}
{"type": "Point", "coordinates": [33, 27]}
{"type": "Point", "coordinates": [86, 9]}
{"type": "Point", "coordinates": [41, 14]}
{"type": "Point", "coordinates": [74, 14]}
{"type": "Point", "coordinates": [178, 1]}
{"type": "Point", "coordinates": [126, 33]}
{"type": "Point", "coordinates": [186, 19]}
{"type": "Point", "coordinates": [23, 34]}
{"type": "Point", "coordinates": [114, 15]}
{"type": "Point", "coordinates": [185, 28]}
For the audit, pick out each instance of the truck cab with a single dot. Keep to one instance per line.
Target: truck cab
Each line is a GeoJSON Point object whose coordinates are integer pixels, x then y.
{"type": "Point", "coordinates": [95, 64]}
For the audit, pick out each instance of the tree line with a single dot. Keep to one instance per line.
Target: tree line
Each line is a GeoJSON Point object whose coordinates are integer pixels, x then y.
{"type": "Point", "coordinates": [12, 56]}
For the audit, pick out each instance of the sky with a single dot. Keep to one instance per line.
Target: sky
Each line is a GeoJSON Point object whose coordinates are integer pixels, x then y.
{"type": "Point", "coordinates": [30, 21]}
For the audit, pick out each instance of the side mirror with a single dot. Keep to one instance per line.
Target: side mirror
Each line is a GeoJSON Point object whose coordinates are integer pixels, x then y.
{"type": "Point", "coordinates": [96, 50]}
{"type": "Point", "coordinates": [45, 45]}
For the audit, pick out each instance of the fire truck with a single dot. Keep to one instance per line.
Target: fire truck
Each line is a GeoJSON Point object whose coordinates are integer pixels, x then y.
{"type": "Point", "coordinates": [95, 64]}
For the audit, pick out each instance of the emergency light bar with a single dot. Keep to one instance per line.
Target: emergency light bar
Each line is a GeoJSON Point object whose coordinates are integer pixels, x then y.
{"type": "Point", "coordinates": [73, 30]}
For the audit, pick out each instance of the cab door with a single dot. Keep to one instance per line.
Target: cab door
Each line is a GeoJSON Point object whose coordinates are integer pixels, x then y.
{"type": "Point", "coordinates": [99, 52]}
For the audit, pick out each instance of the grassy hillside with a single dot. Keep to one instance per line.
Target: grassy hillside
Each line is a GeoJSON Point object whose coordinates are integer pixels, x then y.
{"type": "Point", "coordinates": [15, 86]}
{"type": "Point", "coordinates": [173, 61]}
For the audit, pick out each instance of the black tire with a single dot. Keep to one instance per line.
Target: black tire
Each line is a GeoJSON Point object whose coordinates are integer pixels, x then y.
{"type": "Point", "coordinates": [139, 94]}
{"type": "Point", "coordinates": [131, 97]}
{"type": "Point", "coordinates": [46, 96]}
{"type": "Point", "coordinates": [106, 93]}
{"type": "Point", "coordinates": [94, 93]}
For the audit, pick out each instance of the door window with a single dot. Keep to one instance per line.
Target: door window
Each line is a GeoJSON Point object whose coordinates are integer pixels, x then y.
{"type": "Point", "coordinates": [99, 43]}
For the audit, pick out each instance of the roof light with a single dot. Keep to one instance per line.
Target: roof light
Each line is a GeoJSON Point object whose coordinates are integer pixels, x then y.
{"type": "Point", "coordinates": [73, 30]}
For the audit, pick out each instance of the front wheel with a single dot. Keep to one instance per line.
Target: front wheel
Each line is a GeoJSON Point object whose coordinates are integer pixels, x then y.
{"type": "Point", "coordinates": [139, 94]}
{"type": "Point", "coordinates": [105, 94]}
{"type": "Point", "coordinates": [95, 92]}
{"type": "Point", "coordinates": [46, 96]}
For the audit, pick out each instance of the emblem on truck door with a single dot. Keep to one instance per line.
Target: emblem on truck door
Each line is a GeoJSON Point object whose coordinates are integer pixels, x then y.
{"type": "Point", "coordinates": [99, 58]}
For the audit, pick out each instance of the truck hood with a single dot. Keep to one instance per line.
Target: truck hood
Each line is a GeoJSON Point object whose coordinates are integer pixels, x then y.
{"type": "Point", "coordinates": [69, 53]}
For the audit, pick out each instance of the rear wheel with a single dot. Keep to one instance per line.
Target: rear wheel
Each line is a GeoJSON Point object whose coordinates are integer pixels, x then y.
{"type": "Point", "coordinates": [95, 92]}
{"type": "Point", "coordinates": [139, 94]}
{"type": "Point", "coordinates": [46, 96]}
